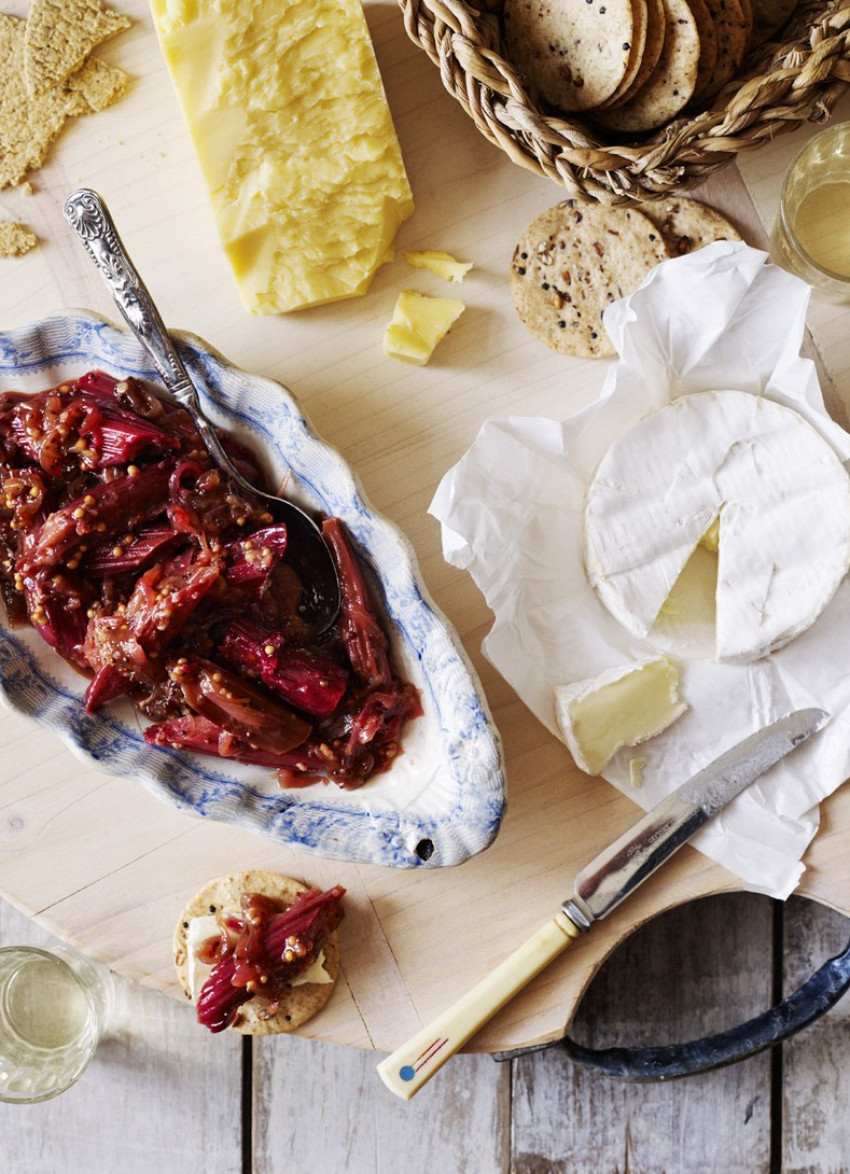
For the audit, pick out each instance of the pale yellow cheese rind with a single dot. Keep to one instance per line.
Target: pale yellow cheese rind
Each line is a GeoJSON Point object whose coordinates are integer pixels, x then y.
{"type": "Point", "coordinates": [290, 123]}
{"type": "Point", "coordinates": [620, 708]}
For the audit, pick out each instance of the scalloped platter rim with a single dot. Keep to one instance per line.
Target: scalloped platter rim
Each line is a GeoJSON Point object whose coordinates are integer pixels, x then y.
{"type": "Point", "coordinates": [442, 800]}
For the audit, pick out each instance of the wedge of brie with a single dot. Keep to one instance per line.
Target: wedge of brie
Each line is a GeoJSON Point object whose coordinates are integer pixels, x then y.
{"type": "Point", "coordinates": [621, 707]}
{"type": "Point", "coordinates": [779, 490]}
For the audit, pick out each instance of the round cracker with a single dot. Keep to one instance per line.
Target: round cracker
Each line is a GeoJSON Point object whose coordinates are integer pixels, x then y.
{"type": "Point", "coordinates": [571, 263]}
{"type": "Point", "coordinates": [223, 895]}
{"type": "Point", "coordinates": [656, 24]}
{"type": "Point", "coordinates": [573, 54]}
{"type": "Point", "coordinates": [640, 12]}
{"type": "Point", "coordinates": [671, 84]}
{"type": "Point", "coordinates": [769, 16]}
{"type": "Point", "coordinates": [707, 43]}
{"type": "Point", "coordinates": [687, 225]}
{"type": "Point", "coordinates": [730, 26]}
{"type": "Point", "coordinates": [747, 13]}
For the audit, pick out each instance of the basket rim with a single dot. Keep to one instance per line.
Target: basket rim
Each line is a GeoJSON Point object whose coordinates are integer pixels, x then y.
{"type": "Point", "coordinates": [783, 84]}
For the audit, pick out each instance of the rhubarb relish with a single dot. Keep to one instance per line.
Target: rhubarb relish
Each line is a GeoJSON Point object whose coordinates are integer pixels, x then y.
{"type": "Point", "coordinates": [142, 565]}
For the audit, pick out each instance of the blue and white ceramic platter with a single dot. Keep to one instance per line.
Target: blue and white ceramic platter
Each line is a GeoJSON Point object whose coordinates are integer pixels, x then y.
{"type": "Point", "coordinates": [442, 800]}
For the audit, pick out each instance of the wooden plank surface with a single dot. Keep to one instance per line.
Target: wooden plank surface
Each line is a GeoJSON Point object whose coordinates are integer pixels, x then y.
{"type": "Point", "coordinates": [815, 1127]}
{"type": "Point", "coordinates": [161, 1094]}
{"type": "Point", "coordinates": [695, 971]}
{"type": "Point", "coordinates": [158, 1095]}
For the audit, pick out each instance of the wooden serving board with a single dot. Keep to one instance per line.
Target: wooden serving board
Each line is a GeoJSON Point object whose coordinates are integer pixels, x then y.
{"type": "Point", "coordinates": [108, 866]}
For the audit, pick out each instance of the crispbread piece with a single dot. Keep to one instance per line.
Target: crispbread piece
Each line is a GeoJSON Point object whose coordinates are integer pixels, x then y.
{"type": "Point", "coordinates": [97, 84]}
{"type": "Point", "coordinates": [15, 239]}
{"type": "Point", "coordinates": [222, 895]}
{"type": "Point", "coordinates": [688, 225]}
{"type": "Point", "coordinates": [574, 54]}
{"type": "Point", "coordinates": [60, 34]}
{"type": "Point", "coordinates": [571, 263]}
{"type": "Point", "coordinates": [670, 85]}
{"type": "Point", "coordinates": [28, 125]}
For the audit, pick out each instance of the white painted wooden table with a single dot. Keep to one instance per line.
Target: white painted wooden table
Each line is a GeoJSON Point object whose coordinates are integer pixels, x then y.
{"type": "Point", "coordinates": [163, 1095]}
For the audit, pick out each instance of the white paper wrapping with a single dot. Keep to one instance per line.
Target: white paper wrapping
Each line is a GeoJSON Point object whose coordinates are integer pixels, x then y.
{"type": "Point", "coordinates": [512, 516]}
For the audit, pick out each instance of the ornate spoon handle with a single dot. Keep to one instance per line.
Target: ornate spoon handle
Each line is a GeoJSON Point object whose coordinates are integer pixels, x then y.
{"type": "Point", "coordinates": [89, 217]}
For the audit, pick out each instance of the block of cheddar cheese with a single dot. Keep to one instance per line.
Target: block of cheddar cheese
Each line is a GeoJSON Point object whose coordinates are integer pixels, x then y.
{"type": "Point", "coordinates": [289, 119]}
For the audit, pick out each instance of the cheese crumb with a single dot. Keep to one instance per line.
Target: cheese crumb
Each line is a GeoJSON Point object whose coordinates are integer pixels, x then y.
{"type": "Point", "coordinates": [418, 323]}
{"type": "Point", "coordinates": [443, 264]}
{"type": "Point", "coordinates": [621, 707]}
{"type": "Point", "coordinates": [636, 769]}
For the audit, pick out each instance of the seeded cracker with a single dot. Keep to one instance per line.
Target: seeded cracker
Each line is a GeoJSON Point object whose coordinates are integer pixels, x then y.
{"type": "Point", "coordinates": [15, 239]}
{"type": "Point", "coordinates": [656, 25]}
{"type": "Point", "coordinates": [640, 17]}
{"type": "Point", "coordinates": [731, 28]}
{"type": "Point", "coordinates": [253, 1018]}
{"type": "Point", "coordinates": [688, 225]}
{"type": "Point", "coordinates": [27, 128]}
{"type": "Point", "coordinates": [707, 43]}
{"type": "Point", "coordinates": [571, 263]}
{"type": "Point", "coordinates": [574, 54]}
{"type": "Point", "coordinates": [29, 125]}
{"type": "Point", "coordinates": [60, 35]}
{"type": "Point", "coordinates": [671, 84]}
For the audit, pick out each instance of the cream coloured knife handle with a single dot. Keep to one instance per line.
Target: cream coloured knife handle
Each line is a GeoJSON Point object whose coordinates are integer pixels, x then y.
{"type": "Point", "coordinates": [414, 1063]}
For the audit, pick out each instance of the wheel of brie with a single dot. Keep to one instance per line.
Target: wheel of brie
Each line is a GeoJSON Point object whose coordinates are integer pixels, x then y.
{"type": "Point", "coordinates": [759, 470]}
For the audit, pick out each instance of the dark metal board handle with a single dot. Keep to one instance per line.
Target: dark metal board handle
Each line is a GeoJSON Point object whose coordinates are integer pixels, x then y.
{"type": "Point", "coordinates": [813, 999]}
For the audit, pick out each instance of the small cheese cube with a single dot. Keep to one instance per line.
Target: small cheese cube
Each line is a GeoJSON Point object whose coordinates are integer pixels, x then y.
{"type": "Point", "coordinates": [622, 707]}
{"type": "Point", "coordinates": [289, 119]}
{"type": "Point", "coordinates": [443, 264]}
{"type": "Point", "coordinates": [417, 325]}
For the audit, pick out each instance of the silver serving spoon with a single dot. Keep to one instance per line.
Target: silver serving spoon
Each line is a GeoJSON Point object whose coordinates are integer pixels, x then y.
{"type": "Point", "coordinates": [306, 549]}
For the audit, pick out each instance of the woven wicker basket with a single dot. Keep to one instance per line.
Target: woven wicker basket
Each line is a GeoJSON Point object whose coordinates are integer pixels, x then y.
{"type": "Point", "coordinates": [781, 85]}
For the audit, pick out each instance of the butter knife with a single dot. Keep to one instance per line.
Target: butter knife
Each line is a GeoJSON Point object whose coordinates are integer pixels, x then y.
{"type": "Point", "coordinates": [599, 888]}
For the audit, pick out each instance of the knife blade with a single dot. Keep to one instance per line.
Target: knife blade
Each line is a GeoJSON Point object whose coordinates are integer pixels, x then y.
{"type": "Point", "coordinates": [598, 888]}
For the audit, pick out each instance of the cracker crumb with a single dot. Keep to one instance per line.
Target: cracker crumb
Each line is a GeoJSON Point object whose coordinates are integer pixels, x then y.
{"type": "Point", "coordinates": [15, 239]}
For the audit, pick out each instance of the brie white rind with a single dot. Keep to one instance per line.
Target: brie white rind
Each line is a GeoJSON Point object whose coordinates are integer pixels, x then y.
{"type": "Point", "coordinates": [779, 489]}
{"type": "Point", "coordinates": [620, 707]}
